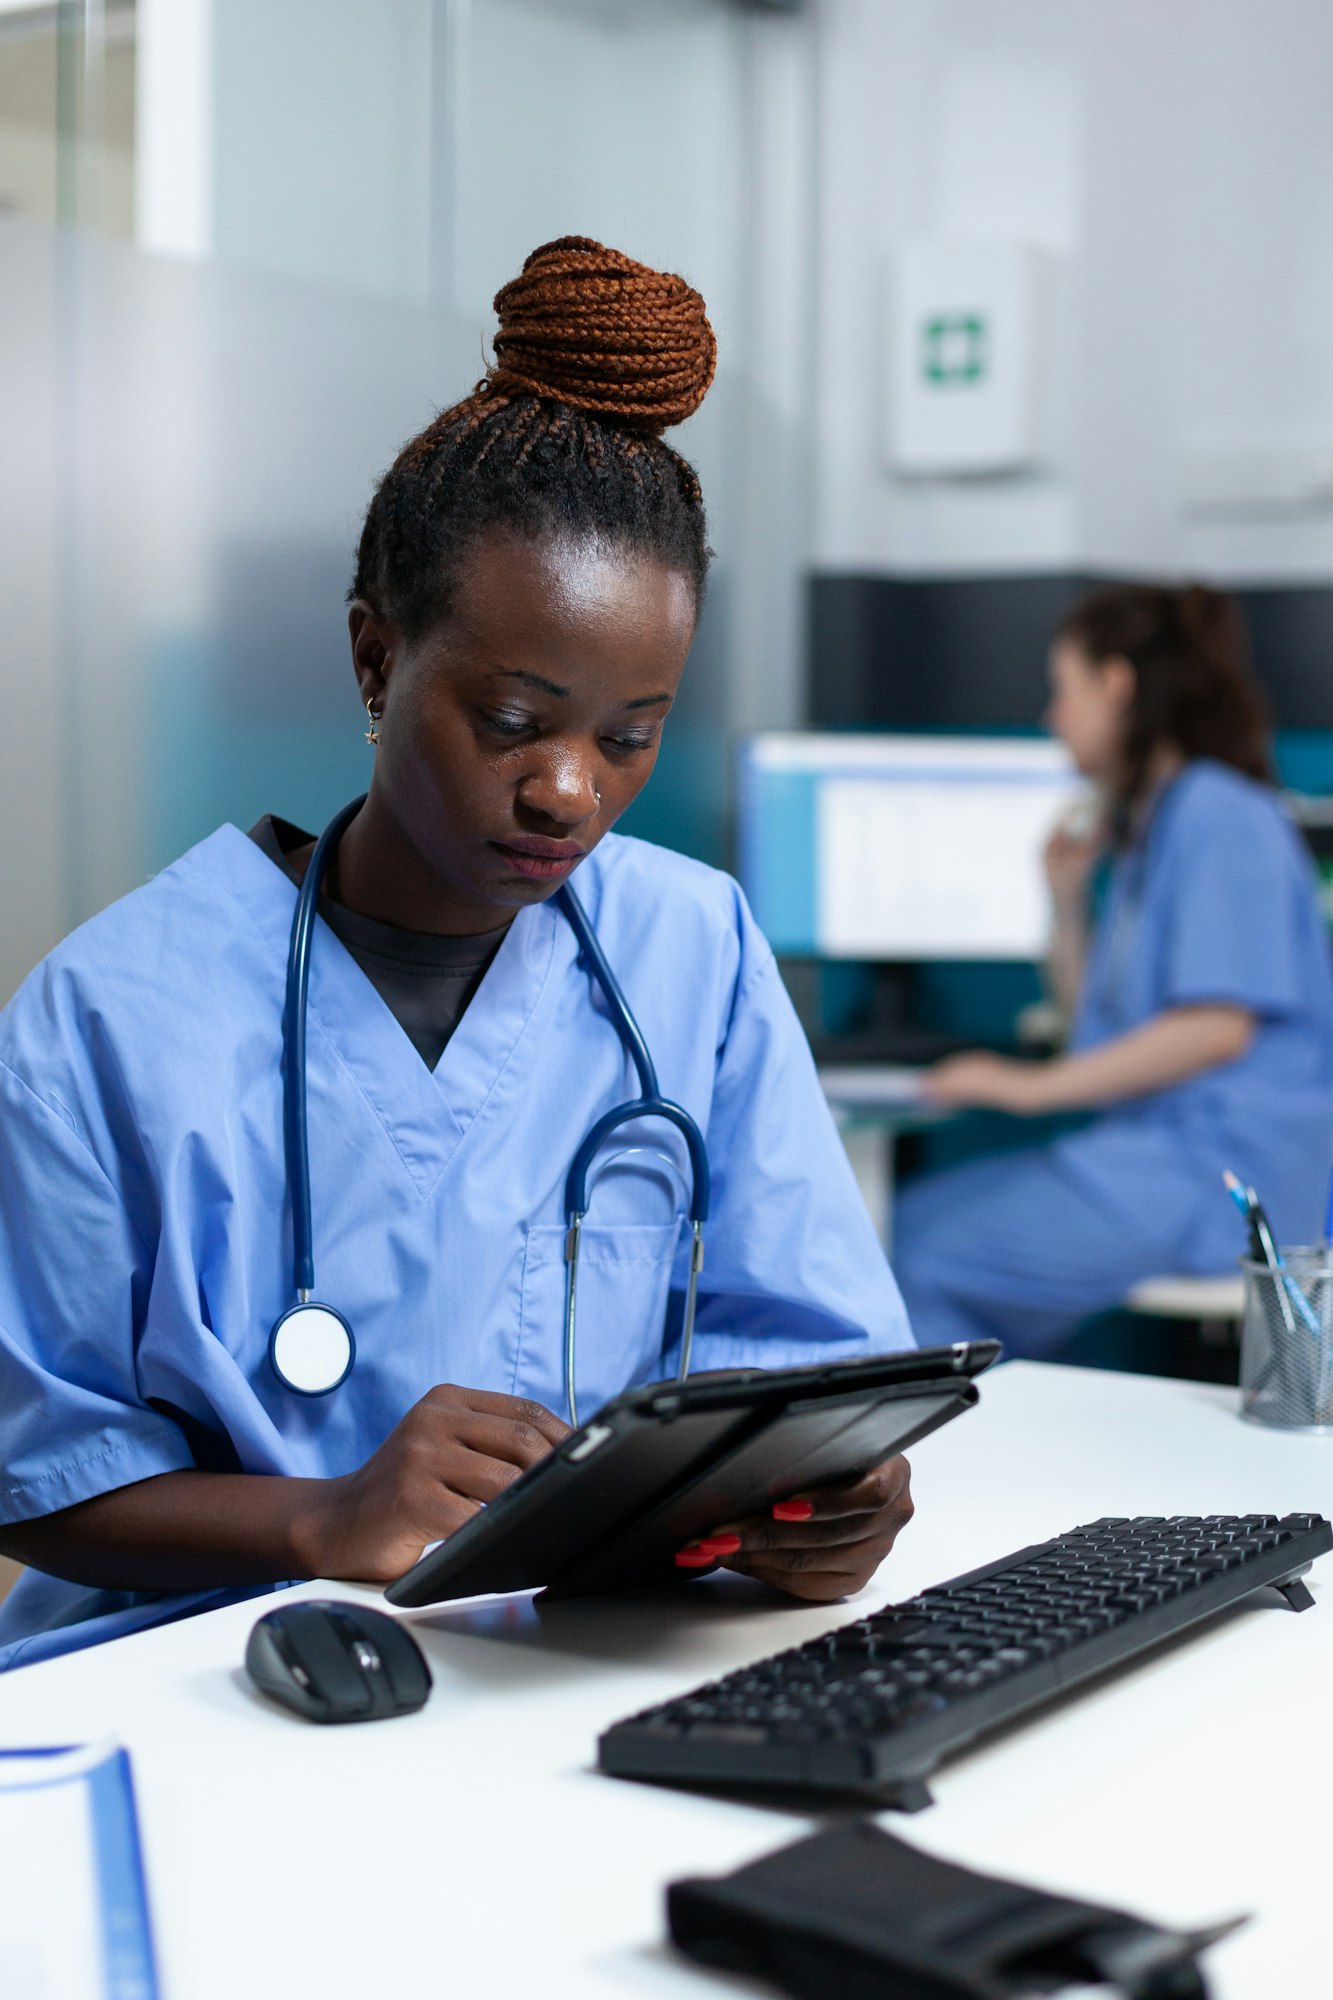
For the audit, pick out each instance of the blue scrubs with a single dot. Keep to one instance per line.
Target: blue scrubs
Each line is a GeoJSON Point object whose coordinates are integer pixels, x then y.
{"type": "Point", "coordinates": [1215, 902]}
{"type": "Point", "coordinates": [145, 1234]}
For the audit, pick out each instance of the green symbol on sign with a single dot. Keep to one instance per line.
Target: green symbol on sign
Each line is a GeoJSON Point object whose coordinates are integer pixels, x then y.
{"type": "Point", "coordinates": [953, 349]}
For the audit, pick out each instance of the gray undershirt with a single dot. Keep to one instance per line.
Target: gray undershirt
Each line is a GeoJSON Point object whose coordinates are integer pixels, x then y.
{"type": "Point", "coordinates": [425, 981]}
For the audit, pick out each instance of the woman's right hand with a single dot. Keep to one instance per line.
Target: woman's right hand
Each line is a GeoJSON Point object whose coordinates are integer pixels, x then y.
{"type": "Point", "coordinates": [452, 1452]}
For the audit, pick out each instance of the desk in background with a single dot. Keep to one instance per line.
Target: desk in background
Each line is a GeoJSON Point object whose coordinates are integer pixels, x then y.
{"type": "Point", "coordinates": [874, 1103]}
{"type": "Point", "coordinates": [473, 1848]}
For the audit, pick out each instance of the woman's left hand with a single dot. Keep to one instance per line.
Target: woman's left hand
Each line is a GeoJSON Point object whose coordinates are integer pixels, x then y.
{"type": "Point", "coordinates": [981, 1081]}
{"type": "Point", "coordinates": [823, 1545]}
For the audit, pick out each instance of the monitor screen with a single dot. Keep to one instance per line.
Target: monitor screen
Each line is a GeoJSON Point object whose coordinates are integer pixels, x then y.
{"type": "Point", "coordinates": [901, 847]}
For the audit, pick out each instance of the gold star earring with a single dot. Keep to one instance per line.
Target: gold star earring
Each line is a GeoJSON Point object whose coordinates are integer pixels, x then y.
{"type": "Point", "coordinates": [376, 716]}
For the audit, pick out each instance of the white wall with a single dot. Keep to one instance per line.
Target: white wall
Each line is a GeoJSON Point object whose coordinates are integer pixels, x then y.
{"type": "Point", "coordinates": [173, 127]}
{"type": "Point", "coordinates": [1207, 313]}
{"type": "Point", "coordinates": [321, 112]}
{"type": "Point", "coordinates": [1176, 157]}
{"type": "Point", "coordinates": [291, 136]}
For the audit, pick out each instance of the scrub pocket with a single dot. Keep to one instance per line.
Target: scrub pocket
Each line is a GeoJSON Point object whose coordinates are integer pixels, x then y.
{"type": "Point", "coordinates": [624, 1282]}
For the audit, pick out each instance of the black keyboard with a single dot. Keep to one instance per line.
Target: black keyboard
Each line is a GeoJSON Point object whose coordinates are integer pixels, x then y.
{"type": "Point", "coordinates": [875, 1706]}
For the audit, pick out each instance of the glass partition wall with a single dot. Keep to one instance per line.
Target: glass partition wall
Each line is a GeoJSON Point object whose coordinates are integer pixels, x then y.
{"type": "Point", "coordinates": [246, 247]}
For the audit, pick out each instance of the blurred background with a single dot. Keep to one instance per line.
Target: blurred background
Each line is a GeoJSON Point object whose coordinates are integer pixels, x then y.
{"type": "Point", "coordinates": [248, 246]}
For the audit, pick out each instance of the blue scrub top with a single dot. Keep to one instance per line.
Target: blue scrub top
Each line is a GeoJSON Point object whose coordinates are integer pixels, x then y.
{"type": "Point", "coordinates": [1216, 902]}
{"type": "Point", "coordinates": [145, 1232]}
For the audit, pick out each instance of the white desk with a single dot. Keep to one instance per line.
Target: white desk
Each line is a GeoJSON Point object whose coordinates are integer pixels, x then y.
{"type": "Point", "coordinates": [472, 1849]}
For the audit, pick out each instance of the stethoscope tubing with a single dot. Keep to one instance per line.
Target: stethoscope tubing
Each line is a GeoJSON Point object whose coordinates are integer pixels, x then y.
{"type": "Point", "coordinates": [649, 1104]}
{"type": "Point", "coordinates": [296, 1127]}
{"type": "Point", "coordinates": [1127, 916]}
{"type": "Point", "coordinates": [591, 952]}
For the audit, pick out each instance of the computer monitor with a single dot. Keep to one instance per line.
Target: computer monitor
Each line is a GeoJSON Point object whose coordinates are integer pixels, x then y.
{"type": "Point", "coordinates": [901, 847]}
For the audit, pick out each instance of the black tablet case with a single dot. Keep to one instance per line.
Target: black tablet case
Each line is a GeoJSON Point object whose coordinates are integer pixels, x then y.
{"type": "Point", "coordinates": [609, 1508]}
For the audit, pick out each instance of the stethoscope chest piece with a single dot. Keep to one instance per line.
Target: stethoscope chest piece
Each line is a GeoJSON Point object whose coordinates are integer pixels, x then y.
{"type": "Point", "coordinates": [311, 1349]}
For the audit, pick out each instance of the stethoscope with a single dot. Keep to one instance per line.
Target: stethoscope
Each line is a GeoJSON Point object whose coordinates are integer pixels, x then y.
{"type": "Point", "coordinates": [312, 1349]}
{"type": "Point", "coordinates": [1127, 915]}
{"type": "Point", "coordinates": [1123, 936]}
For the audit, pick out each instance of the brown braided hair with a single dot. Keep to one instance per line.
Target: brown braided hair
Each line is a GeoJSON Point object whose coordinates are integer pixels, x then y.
{"type": "Point", "coordinates": [1194, 687]}
{"type": "Point", "coordinates": [595, 357]}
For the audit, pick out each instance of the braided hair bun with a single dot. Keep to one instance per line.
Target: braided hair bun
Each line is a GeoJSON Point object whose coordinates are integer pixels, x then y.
{"type": "Point", "coordinates": [595, 357]}
{"type": "Point", "coordinates": [589, 327]}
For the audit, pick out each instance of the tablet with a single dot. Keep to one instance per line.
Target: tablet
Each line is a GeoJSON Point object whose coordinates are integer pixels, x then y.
{"type": "Point", "coordinates": [609, 1508]}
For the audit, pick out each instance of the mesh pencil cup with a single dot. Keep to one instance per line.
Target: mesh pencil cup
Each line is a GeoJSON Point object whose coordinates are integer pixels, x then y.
{"type": "Point", "coordinates": [1286, 1342]}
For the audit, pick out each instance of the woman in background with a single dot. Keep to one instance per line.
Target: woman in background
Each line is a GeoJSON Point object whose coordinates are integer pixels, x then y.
{"type": "Point", "coordinates": [1190, 951]}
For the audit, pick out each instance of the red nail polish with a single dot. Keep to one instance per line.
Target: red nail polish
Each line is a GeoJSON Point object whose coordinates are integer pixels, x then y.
{"type": "Point", "coordinates": [694, 1559]}
{"type": "Point", "coordinates": [792, 1510]}
{"type": "Point", "coordinates": [721, 1545]}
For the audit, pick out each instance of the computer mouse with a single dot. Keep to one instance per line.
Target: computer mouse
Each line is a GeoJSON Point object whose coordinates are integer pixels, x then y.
{"type": "Point", "coordinates": [337, 1662]}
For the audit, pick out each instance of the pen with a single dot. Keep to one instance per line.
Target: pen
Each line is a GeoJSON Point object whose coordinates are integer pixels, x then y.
{"type": "Point", "coordinates": [1240, 1196]}
{"type": "Point", "coordinates": [1263, 1249]}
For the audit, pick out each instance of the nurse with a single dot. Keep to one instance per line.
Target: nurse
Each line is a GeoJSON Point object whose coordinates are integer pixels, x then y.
{"type": "Point", "coordinates": [526, 590]}
{"type": "Point", "coordinates": [1190, 950]}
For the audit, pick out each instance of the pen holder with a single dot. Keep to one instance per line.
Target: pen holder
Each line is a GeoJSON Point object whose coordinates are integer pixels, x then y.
{"type": "Point", "coordinates": [1286, 1342]}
